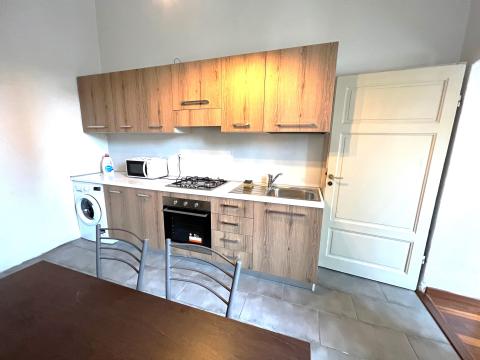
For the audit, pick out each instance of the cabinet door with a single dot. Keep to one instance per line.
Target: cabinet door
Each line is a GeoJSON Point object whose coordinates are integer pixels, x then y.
{"type": "Point", "coordinates": [134, 210]}
{"type": "Point", "coordinates": [143, 215]}
{"type": "Point", "coordinates": [197, 85]}
{"type": "Point", "coordinates": [118, 213]}
{"type": "Point", "coordinates": [157, 83]}
{"type": "Point", "coordinates": [129, 100]}
{"type": "Point", "coordinates": [299, 86]}
{"type": "Point", "coordinates": [96, 103]}
{"type": "Point", "coordinates": [243, 93]}
{"type": "Point", "coordinates": [286, 240]}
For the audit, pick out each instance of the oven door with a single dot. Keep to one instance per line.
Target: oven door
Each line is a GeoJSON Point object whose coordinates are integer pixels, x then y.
{"type": "Point", "coordinates": [187, 226]}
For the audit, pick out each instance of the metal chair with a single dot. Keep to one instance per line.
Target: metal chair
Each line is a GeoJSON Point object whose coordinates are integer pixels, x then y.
{"type": "Point", "coordinates": [231, 288]}
{"type": "Point", "coordinates": [138, 261]}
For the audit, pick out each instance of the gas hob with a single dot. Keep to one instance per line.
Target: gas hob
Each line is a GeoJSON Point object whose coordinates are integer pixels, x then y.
{"type": "Point", "coordinates": [198, 183]}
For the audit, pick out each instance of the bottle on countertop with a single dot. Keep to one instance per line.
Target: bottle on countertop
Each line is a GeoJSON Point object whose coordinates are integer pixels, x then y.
{"type": "Point", "coordinates": [107, 165]}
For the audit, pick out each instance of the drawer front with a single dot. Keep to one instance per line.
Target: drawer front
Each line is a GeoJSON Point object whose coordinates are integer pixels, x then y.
{"type": "Point", "coordinates": [238, 242]}
{"type": "Point", "coordinates": [232, 255]}
{"type": "Point", "coordinates": [232, 207]}
{"type": "Point", "coordinates": [232, 224]}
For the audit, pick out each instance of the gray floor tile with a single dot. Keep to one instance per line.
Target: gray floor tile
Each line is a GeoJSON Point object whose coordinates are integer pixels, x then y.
{"type": "Point", "coordinates": [280, 316]}
{"type": "Point", "coordinates": [414, 321]}
{"type": "Point", "coordinates": [320, 352]}
{"type": "Point", "coordinates": [322, 299]}
{"type": "Point", "coordinates": [401, 296]}
{"type": "Point", "coordinates": [73, 257]}
{"type": "Point", "coordinates": [119, 273]}
{"type": "Point", "coordinates": [432, 350]}
{"type": "Point", "coordinates": [363, 340]}
{"type": "Point", "coordinates": [194, 295]}
{"type": "Point", "coordinates": [349, 284]}
{"type": "Point", "coordinates": [258, 286]}
{"type": "Point", "coordinates": [86, 244]}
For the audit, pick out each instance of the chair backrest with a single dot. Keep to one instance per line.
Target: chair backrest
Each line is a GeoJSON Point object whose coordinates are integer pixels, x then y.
{"type": "Point", "coordinates": [136, 254]}
{"type": "Point", "coordinates": [231, 287]}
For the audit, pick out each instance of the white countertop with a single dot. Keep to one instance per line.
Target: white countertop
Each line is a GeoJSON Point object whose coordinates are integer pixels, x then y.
{"type": "Point", "coordinates": [223, 191]}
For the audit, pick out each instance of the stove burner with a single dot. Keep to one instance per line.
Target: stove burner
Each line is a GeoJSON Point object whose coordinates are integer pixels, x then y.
{"type": "Point", "coordinates": [196, 182]}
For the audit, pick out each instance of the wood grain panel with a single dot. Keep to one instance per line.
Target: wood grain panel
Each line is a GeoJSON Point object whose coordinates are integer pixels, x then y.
{"type": "Point", "coordinates": [197, 80]}
{"type": "Point", "coordinates": [458, 317]}
{"type": "Point", "coordinates": [243, 93]}
{"type": "Point", "coordinates": [96, 103]}
{"type": "Point", "coordinates": [232, 255]}
{"type": "Point", "coordinates": [232, 224]}
{"type": "Point", "coordinates": [199, 117]}
{"type": "Point", "coordinates": [143, 215]}
{"type": "Point", "coordinates": [232, 241]}
{"type": "Point", "coordinates": [299, 87]}
{"type": "Point", "coordinates": [158, 96]}
{"type": "Point", "coordinates": [116, 201]}
{"type": "Point", "coordinates": [286, 240]}
{"type": "Point", "coordinates": [232, 207]}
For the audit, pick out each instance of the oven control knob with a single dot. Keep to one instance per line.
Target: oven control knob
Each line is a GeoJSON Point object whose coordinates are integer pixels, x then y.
{"type": "Point", "coordinates": [185, 203]}
{"type": "Point", "coordinates": [195, 205]}
{"type": "Point", "coordinates": [175, 202]}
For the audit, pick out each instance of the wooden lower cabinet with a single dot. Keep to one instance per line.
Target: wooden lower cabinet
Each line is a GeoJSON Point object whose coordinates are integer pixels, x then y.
{"type": "Point", "coordinates": [135, 210]}
{"type": "Point", "coordinates": [280, 240]}
{"type": "Point", "coordinates": [286, 240]}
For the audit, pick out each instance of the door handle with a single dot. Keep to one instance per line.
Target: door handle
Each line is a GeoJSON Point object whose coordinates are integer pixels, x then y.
{"type": "Point", "coordinates": [332, 177]}
{"type": "Point", "coordinates": [241, 125]}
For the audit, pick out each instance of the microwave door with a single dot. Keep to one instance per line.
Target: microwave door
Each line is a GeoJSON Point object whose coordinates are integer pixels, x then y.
{"type": "Point", "coordinates": [135, 168]}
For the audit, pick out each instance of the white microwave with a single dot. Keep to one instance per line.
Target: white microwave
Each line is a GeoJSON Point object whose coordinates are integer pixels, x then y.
{"type": "Point", "coordinates": [147, 167]}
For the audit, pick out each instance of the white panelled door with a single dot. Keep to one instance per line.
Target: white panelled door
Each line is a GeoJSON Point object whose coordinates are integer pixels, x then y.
{"type": "Point", "coordinates": [389, 140]}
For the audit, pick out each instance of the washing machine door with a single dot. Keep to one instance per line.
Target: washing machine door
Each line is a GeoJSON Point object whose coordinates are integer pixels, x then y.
{"type": "Point", "coordinates": [88, 210]}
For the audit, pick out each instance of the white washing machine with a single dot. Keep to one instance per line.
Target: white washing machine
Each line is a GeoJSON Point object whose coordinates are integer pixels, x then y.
{"type": "Point", "coordinates": [90, 208]}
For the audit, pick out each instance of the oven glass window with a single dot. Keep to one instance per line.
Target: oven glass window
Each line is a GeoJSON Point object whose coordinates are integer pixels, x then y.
{"type": "Point", "coordinates": [186, 228]}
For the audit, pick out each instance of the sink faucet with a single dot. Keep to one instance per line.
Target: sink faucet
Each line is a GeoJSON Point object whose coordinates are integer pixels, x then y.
{"type": "Point", "coordinates": [271, 180]}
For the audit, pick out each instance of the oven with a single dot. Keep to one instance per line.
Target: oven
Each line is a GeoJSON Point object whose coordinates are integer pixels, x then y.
{"type": "Point", "coordinates": [187, 221]}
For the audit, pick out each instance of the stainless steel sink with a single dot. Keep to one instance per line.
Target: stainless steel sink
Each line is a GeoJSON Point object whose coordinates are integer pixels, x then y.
{"type": "Point", "coordinates": [294, 193]}
{"type": "Point", "coordinates": [281, 191]}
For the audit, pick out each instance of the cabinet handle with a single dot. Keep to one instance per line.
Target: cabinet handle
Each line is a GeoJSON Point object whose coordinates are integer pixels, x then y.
{"type": "Point", "coordinates": [194, 102]}
{"type": "Point", "coordinates": [268, 211]}
{"type": "Point", "coordinates": [114, 191]}
{"type": "Point", "coordinates": [230, 206]}
{"type": "Point", "coordinates": [228, 223]}
{"type": "Point", "coordinates": [241, 125]}
{"type": "Point", "coordinates": [125, 126]}
{"type": "Point", "coordinates": [229, 240]}
{"type": "Point", "coordinates": [155, 126]}
{"type": "Point", "coordinates": [143, 195]}
{"type": "Point", "coordinates": [96, 126]}
{"type": "Point", "coordinates": [304, 125]}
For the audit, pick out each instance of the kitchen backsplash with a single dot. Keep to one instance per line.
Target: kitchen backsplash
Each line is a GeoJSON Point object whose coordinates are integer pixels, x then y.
{"type": "Point", "coordinates": [207, 152]}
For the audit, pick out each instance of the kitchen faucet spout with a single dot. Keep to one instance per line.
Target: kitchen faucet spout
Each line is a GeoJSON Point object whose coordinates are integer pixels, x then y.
{"type": "Point", "coordinates": [271, 180]}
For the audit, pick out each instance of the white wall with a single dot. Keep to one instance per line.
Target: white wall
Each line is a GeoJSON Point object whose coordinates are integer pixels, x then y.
{"type": "Point", "coordinates": [453, 263]}
{"type": "Point", "coordinates": [44, 45]}
{"type": "Point", "coordinates": [471, 46]}
{"type": "Point", "coordinates": [207, 152]}
{"type": "Point", "coordinates": [374, 35]}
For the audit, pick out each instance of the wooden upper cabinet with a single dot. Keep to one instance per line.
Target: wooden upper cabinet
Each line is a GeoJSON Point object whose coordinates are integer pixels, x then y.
{"type": "Point", "coordinates": [243, 79]}
{"type": "Point", "coordinates": [96, 103]}
{"type": "Point", "coordinates": [129, 102]}
{"type": "Point", "coordinates": [158, 96]}
{"type": "Point", "coordinates": [197, 85]}
{"type": "Point", "coordinates": [299, 88]}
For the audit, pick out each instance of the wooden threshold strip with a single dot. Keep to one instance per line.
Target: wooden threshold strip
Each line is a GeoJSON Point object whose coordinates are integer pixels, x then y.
{"type": "Point", "coordinates": [455, 315]}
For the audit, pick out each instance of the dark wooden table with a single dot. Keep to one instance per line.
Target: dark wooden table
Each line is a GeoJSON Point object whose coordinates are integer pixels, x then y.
{"type": "Point", "coordinates": [50, 312]}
